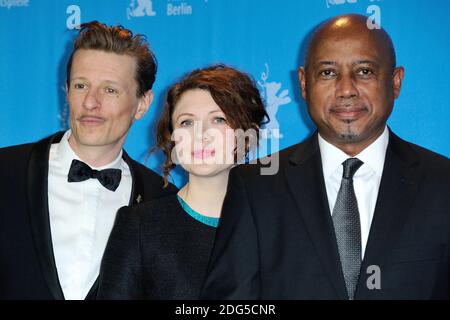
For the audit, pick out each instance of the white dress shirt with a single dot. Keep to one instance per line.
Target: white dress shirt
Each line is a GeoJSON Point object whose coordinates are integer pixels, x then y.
{"type": "Point", "coordinates": [81, 218]}
{"type": "Point", "coordinates": [366, 180]}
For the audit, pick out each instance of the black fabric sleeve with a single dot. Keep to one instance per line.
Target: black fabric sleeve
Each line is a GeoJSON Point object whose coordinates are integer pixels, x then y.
{"type": "Point", "coordinates": [121, 274]}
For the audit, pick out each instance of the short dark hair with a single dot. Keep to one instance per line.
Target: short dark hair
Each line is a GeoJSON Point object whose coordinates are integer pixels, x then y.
{"type": "Point", "coordinates": [116, 39]}
{"type": "Point", "coordinates": [234, 92]}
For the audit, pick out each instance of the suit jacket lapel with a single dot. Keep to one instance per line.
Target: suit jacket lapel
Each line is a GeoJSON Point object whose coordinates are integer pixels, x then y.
{"type": "Point", "coordinates": [398, 187]}
{"type": "Point", "coordinates": [306, 182]}
{"type": "Point", "coordinates": [92, 294]}
{"type": "Point", "coordinates": [37, 194]}
{"type": "Point", "coordinates": [137, 189]}
{"type": "Point", "coordinates": [39, 215]}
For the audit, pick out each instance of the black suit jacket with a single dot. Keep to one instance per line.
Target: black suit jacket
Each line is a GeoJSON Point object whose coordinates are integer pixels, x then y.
{"type": "Point", "coordinates": [156, 251]}
{"type": "Point", "coordinates": [276, 238]}
{"type": "Point", "coordinates": [27, 262]}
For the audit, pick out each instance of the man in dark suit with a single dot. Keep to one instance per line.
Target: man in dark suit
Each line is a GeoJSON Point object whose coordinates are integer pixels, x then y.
{"type": "Point", "coordinates": [59, 196]}
{"type": "Point", "coordinates": [354, 212]}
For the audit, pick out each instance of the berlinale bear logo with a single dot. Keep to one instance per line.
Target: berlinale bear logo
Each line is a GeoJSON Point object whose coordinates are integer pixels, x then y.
{"type": "Point", "coordinates": [273, 101]}
{"type": "Point", "coordinates": [143, 8]}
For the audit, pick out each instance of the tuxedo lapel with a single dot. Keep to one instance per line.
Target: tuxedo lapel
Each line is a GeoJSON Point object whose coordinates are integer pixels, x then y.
{"type": "Point", "coordinates": [37, 188]}
{"type": "Point", "coordinates": [137, 188]}
{"type": "Point", "coordinates": [37, 196]}
{"type": "Point", "coordinates": [398, 187]}
{"type": "Point", "coordinates": [92, 294]}
{"type": "Point", "coordinates": [306, 183]}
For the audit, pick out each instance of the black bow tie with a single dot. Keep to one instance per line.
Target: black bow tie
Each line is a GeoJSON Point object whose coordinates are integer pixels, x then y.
{"type": "Point", "coordinates": [80, 171]}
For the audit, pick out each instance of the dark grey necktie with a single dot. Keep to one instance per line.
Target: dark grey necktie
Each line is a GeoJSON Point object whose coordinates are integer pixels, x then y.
{"type": "Point", "coordinates": [347, 226]}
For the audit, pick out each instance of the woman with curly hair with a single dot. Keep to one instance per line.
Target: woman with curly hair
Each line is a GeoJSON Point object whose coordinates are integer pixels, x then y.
{"type": "Point", "coordinates": [160, 249]}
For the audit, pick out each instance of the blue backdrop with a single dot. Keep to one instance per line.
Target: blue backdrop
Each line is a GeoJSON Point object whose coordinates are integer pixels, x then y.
{"type": "Point", "coordinates": [264, 38]}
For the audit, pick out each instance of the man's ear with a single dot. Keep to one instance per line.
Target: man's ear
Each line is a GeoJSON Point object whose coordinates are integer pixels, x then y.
{"type": "Point", "coordinates": [302, 79]}
{"type": "Point", "coordinates": [144, 104]}
{"type": "Point", "coordinates": [397, 79]}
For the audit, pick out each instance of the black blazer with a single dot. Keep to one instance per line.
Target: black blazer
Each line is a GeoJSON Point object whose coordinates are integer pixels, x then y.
{"type": "Point", "coordinates": [156, 251]}
{"type": "Point", "coordinates": [276, 238]}
{"type": "Point", "coordinates": [27, 263]}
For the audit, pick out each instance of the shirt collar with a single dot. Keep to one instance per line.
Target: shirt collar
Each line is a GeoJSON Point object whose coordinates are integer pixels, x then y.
{"type": "Point", "coordinates": [65, 154]}
{"type": "Point", "coordinates": [373, 156]}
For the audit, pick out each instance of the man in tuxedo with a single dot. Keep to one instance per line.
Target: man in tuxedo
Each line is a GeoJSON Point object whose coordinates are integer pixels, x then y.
{"type": "Point", "coordinates": [59, 196]}
{"type": "Point", "coordinates": [354, 212]}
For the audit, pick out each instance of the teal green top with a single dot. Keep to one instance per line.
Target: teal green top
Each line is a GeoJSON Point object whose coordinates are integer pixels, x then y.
{"type": "Point", "coordinates": [210, 221]}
